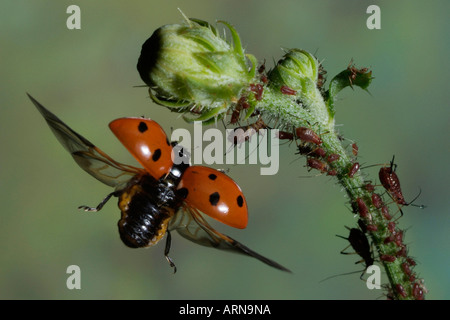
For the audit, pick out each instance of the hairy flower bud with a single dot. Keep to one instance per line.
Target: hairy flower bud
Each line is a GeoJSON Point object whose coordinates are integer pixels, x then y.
{"type": "Point", "coordinates": [297, 70]}
{"type": "Point", "coordinates": [190, 67]}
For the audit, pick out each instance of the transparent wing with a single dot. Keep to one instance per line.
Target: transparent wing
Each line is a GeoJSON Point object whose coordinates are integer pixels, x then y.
{"type": "Point", "coordinates": [90, 158]}
{"type": "Point", "coordinates": [190, 224]}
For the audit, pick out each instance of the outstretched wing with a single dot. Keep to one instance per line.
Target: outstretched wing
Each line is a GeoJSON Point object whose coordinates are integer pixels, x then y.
{"type": "Point", "coordinates": [90, 158]}
{"type": "Point", "coordinates": [190, 224]}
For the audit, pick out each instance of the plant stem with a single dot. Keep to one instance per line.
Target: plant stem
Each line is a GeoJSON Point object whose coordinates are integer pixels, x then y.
{"type": "Point", "coordinates": [313, 113]}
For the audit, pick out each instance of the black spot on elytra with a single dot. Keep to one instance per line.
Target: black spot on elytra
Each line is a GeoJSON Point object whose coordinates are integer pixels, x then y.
{"type": "Point", "coordinates": [240, 201]}
{"type": "Point", "coordinates": [212, 176]}
{"type": "Point", "coordinates": [142, 127]}
{"type": "Point", "coordinates": [183, 193]}
{"type": "Point", "coordinates": [214, 198]}
{"type": "Point", "coordinates": [156, 155]}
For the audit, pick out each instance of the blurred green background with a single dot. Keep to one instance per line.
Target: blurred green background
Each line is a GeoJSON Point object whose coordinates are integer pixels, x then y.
{"type": "Point", "coordinates": [87, 78]}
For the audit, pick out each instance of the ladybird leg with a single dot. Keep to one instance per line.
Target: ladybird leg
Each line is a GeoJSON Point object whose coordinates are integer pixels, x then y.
{"type": "Point", "coordinates": [100, 205]}
{"type": "Point", "coordinates": [166, 251]}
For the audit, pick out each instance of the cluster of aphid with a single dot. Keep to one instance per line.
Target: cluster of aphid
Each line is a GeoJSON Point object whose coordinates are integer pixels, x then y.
{"type": "Point", "coordinates": [393, 236]}
{"type": "Point", "coordinates": [309, 143]}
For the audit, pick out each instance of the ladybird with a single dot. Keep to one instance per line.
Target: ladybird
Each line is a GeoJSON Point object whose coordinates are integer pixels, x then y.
{"type": "Point", "coordinates": [166, 195]}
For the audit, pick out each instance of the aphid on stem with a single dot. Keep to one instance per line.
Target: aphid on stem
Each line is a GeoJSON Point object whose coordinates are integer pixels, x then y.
{"type": "Point", "coordinates": [391, 183]}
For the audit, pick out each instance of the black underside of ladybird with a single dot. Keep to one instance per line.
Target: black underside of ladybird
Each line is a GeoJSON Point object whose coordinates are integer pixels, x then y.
{"type": "Point", "coordinates": [147, 205]}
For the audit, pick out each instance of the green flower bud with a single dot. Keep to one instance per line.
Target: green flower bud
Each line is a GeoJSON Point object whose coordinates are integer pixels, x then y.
{"type": "Point", "coordinates": [190, 67]}
{"type": "Point", "coordinates": [297, 70]}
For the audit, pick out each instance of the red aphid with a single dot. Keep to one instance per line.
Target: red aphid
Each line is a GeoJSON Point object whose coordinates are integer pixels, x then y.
{"type": "Point", "coordinates": [288, 91]}
{"type": "Point", "coordinates": [258, 90]}
{"type": "Point", "coordinates": [406, 269]}
{"type": "Point", "coordinates": [284, 135]}
{"type": "Point", "coordinates": [244, 133]}
{"type": "Point", "coordinates": [308, 135]}
{"type": "Point", "coordinates": [362, 208]}
{"type": "Point", "coordinates": [317, 164]}
{"type": "Point", "coordinates": [385, 212]}
{"type": "Point", "coordinates": [391, 183]}
{"type": "Point", "coordinates": [411, 261]}
{"type": "Point", "coordinates": [353, 169]}
{"type": "Point", "coordinates": [355, 149]}
{"type": "Point", "coordinates": [400, 290]}
{"type": "Point", "coordinates": [332, 172]}
{"type": "Point", "coordinates": [417, 291]}
{"type": "Point", "coordinates": [391, 227]}
{"type": "Point", "coordinates": [402, 252]}
{"type": "Point", "coordinates": [376, 201]}
{"type": "Point", "coordinates": [333, 157]}
{"type": "Point", "coordinates": [387, 258]}
{"type": "Point", "coordinates": [388, 239]}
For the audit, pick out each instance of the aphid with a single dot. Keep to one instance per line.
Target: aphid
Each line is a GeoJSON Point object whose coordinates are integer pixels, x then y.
{"type": "Point", "coordinates": [308, 135]}
{"type": "Point", "coordinates": [284, 135]}
{"type": "Point", "coordinates": [388, 239]}
{"type": "Point", "coordinates": [387, 258]}
{"type": "Point", "coordinates": [385, 212]}
{"type": "Point", "coordinates": [264, 79]}
{"type": "Point", "coordinates": [258, 90]}
{"type": "Point", "coordinates": [353, 169]}
{"type": "Point", "coordinates": [319, 152]}
{"type": "Point", "coordinates": [391, 227]}
{"type": "Point", "coordinates": [391, 183]}
{"type": "Point", "coordinates": [366, 227]}
{"type": "Point", "coordinates": [400, 290]}
{"type": "Point", "coordinates": [377, 201]}
{"type": "Point", "coordinates": [288, 91]}
{"type": "Point", "coordinates": [332, 172]}
{"type": "Point", "coordinates": [242, 104]}
{"type": "Point", "coordinates": [244, 133]}
{"type": "Point", "coordinates": [402, 252]}
{"type": "Point", "coordinates": [354, 72]}
{"type": "Point", "coordinates": [355, 149]}
{"type": "Point", "coordinates": [411, 261]}
{"type": "Point", "coordinates": [333, 157]}
{"type": "Point", "coordinates": [369, 187]}
{"type": "Point", "coordinates": [417, 291]}
{"type": "Point", "coordinates": [398, 238]}
{"type": "Point", "coordinates": [306, 149]}
{"type": "Point", "coordinates": [362, 208]}
{"type": "Point", "coordinates": [165, 195]}
{"type": "Point", "coordinates": [317, 164]}
{"type": "Point", "coordinates": [406, 269]}
{"type": "Point", "coordinates": [261, 71]}
{"type": "Point", "coordinates": [262, 67]}
{"type": "Point", "coordinates": [359, 243]}
{"type": "Point", "coordinates": [321, 77]}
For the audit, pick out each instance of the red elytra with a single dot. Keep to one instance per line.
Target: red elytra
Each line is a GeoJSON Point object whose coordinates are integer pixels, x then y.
{"type": "Point", "coordinates": [215, 194]}
{"type": "Point", "coordinates": [147, 142]}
